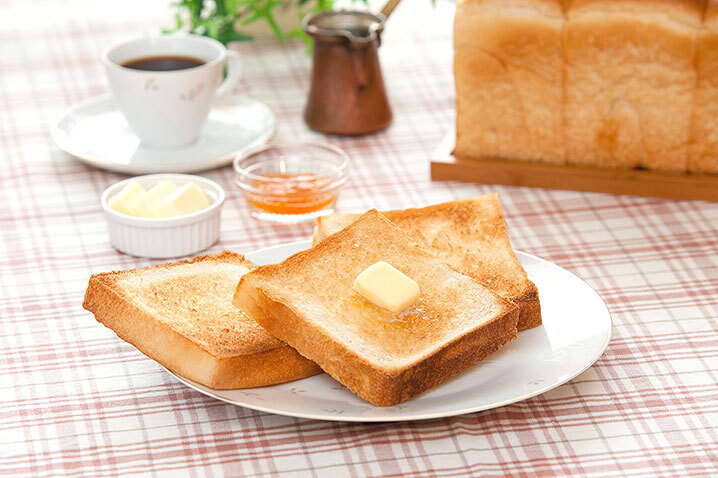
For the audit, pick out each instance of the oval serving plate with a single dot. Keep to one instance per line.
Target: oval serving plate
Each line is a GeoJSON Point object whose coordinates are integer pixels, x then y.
{"type": "Point", "coordinates": [540, 359]}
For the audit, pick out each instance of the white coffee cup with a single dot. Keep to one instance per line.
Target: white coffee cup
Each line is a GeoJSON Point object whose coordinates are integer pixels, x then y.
{"type": "Point", "coordinates": [168, 108]}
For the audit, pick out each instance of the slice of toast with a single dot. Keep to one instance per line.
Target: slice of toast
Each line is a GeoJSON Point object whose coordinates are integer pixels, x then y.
{"type": "Point", "coordinates": [471, 236]}
{"type": "Point", "coordinates": [181, 315]}
{"type": "Point", "coordinates": [385, 358]}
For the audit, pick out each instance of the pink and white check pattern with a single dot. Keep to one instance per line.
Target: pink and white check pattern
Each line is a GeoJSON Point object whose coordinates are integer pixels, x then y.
{"type": "Point", "coordinates": [77, 401]}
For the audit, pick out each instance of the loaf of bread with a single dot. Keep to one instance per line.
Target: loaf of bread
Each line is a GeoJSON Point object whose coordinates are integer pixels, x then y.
{"type": "Point", "coordinates": [703, 156]}
{"type": "Point", "coordinates": [609, 83]}
{"type": "Point", "coordinates": [629, 82]}
{"type": "Point", "coordinates": [508, 69]}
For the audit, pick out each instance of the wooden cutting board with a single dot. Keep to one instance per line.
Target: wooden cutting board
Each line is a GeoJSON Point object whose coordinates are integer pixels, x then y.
{"type": "Point", "coordinates": [637, 182]}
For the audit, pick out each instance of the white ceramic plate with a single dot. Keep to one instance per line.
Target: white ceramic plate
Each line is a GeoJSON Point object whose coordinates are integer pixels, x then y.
{"type": "Point", "coordinates": [575, 332]}
{"type": "Point", "coordinates": [95, 132]}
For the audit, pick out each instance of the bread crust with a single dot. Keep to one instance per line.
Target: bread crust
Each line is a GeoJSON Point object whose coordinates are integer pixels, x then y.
{"type": "Point", "coordinates": [630, 82]}
{"type": "Point", "coordinates": [478, 226]}
{"type": "Point", "coordinates": [607, 83]}
{"type": "Point", "coordinates": [381, 384]}
{"type": "Point", "coordinates": [263, 362]}
{"type": "Point", "coordinates": [508, 70]}
{"type": "Point", "coordinates": [703, 156]}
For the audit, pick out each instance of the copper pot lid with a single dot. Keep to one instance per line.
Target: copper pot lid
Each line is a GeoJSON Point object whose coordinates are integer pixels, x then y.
{"type": "Point", "coordinates": [353, 25]}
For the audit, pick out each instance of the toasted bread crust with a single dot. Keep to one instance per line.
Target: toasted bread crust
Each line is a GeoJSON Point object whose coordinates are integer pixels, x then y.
{"type": "Point", "coordinates": [382, 384]}
{"type": "Point", "coordinates": [468, 235]}
{"type": "Point", "coordinates": [272, 362]}
{"type": "Point", "coordinates": [529, 311]}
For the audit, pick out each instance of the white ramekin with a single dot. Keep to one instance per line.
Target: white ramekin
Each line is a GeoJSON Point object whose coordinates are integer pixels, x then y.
{"type": "Point", "coordinates": [165, 237]}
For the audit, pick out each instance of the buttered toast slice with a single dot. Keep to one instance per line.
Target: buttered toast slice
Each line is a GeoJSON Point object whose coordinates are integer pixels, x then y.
{"type": "Point", "coordinates": [181, 315]}
{"type": "Point", "coordinates": [471, 236]}
{"type": "Point", "coordinates": [384, 357]}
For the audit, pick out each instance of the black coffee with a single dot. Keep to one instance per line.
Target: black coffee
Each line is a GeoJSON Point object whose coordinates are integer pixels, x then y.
{"type": "Point", "coordinates": [163, 63]}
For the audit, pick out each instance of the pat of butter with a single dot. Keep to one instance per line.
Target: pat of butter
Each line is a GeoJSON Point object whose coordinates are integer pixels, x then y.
{"type": "Point", "coordinates": [122, 202]}
{"type": "Point", "coordinates": [385, 286]}
{"type": "Point", "coordinates": [184, 200]}
{"type": "Point", "coordinates": [146, 205]}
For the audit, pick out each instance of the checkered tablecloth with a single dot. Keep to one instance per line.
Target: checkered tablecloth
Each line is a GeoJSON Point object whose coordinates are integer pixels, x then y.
{"type": "Point", "coordinates": [77, 401]}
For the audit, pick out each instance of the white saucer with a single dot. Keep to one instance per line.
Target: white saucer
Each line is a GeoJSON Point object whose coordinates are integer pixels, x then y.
{"type": "Point", "coordinates": [540, 359]}
{"type": "Point", "coordinates": [95, 132]}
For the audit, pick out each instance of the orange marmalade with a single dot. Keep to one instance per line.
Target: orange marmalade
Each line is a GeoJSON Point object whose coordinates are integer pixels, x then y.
{"type": "Point", "coordinates": [291, 193]}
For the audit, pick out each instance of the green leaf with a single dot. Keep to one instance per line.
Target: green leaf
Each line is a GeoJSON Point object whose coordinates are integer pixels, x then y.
{"type": "Point", "coordinates": [300, 34]}
{"type": "Point", "coordinates": [216, 18]}
{"type": "Point", "coordinates": [231, 35]}
{"type": "Point", "coordinates": [212, 30]}
{"type": "Point", "coordinates": [265, 12]}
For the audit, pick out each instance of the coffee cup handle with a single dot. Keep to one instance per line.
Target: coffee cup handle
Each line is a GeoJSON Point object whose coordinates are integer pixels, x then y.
{"type": "Point", "coordinates": [234, 73]}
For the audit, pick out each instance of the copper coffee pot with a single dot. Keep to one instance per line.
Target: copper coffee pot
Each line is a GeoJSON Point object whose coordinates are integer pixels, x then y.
{"type": "Point", "coordinates": [347, 94]}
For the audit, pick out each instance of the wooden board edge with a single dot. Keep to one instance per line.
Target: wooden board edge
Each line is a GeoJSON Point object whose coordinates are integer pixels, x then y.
{"type": "Point", "coordinates": [446, 167]}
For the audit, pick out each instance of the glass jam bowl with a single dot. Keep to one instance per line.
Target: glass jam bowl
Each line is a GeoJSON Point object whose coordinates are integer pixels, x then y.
{"type": "Point", "coordinates": [291, 183]}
